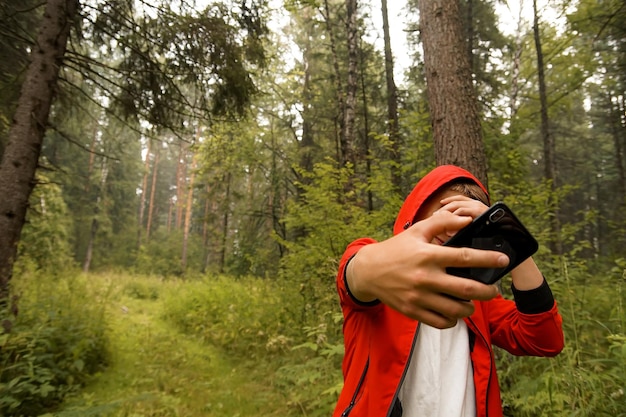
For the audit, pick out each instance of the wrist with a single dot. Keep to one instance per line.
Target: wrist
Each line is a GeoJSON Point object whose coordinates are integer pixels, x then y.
{"type": "Point", "coordinates": [356, 280]}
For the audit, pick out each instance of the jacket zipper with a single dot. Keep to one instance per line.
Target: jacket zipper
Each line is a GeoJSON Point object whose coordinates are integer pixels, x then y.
{"type": "Point", "coordinates": [356, 391]}
{"type": "Point", "coordinates": [406, 369]}
{"type": "Point", "coordinates": [490, 365]}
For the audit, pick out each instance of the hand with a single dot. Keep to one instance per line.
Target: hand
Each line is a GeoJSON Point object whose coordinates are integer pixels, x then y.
{"type": "Point", "coordinates": [527, 275]}
{"type": "Point", "coordinates": [463, 206]}
{"type": "Point", "coordinates": [408, 273]}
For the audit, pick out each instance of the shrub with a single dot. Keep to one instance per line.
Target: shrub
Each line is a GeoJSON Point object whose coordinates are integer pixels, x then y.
{"type": "Point", "coordinates": [587, 378]}
{"type": "Point", "coordinates": [247, 316]}
{"type": "Point", "coordinates": [51, 347]}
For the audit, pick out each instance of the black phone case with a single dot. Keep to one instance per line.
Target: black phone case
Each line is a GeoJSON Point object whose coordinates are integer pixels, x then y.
{"type": "Point", "coordinates": [496, 229]}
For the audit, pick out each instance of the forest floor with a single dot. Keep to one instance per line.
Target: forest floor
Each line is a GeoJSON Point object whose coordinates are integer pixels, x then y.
{"type": "Point", "coordinates": [157, 371]}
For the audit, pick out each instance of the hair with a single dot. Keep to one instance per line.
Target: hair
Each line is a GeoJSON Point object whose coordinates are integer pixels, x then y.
{"type": "Point", "coordinates": [469, 189]}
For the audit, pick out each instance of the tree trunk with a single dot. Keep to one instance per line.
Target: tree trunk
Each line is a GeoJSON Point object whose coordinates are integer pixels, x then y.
{"type": "Point", "coordinates": [205, 231]}
{"type": "Point", "coordinates": [366, 137]}
{"type": "Point", "coordinates": [144, 193]}
{"type": "Point", "coordinates": [618, 131]}
{"type": "Point", "coordinates": [104, 172]}
{"type": "Point", "coordinates": [550, 171]}
{"type": "Point", "coordinates": [516, 67]}
{"type": "Point", "coordinates": [19, 161]}
{"type": "Point", "coordinates": [469, 29]}
{"type": "Point", "coordinates": [155, 171]}
{"type": "Point", "coordinates": [338, 84]}
{"type": "Point", "coordinates": [181, 179]}
{"type": "Point", "coordinates": [451, 94]}
{"type": "Point", "coordinates": [188, 212]}
{"type": "Point", "coordinates": [348, 134]}
{"type": "Point", "coordinates": [392, 104]}
{"type": "Point", "coordinates": [307, 144]}
{"type": "Point", "coordinates": [225, 220]}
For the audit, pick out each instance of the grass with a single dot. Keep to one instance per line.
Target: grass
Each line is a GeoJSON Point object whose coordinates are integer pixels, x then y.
{"type": "Point", "coordinates": [157, 371]}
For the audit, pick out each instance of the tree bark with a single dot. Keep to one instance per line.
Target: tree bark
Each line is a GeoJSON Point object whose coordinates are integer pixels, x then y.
{"type": "Point", "coordinates": [550, 170]}
{"type": "Point", "coordinates": [451, 94]}
{"type": "Point", "coordinates": [19, 161]}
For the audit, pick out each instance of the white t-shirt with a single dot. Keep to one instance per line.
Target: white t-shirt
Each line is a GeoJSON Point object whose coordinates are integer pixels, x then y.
{"type": "Point", "coordinates": [439, 381]}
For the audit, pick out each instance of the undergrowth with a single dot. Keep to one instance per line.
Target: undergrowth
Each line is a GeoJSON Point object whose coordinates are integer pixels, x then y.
{"type": "Point", "coordinates": [52, 341]}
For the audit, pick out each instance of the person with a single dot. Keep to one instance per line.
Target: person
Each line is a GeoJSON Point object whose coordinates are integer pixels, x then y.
{"type": "Point", "coordinates": [418, 341]}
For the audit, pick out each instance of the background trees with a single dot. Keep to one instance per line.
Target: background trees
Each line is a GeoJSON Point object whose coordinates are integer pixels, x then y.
{"type": "Point", "coordinates": [192, 140]}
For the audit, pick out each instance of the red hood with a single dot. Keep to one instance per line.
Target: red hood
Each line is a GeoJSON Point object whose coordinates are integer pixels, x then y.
{"type": "Point", "coordinates": [430, 183]}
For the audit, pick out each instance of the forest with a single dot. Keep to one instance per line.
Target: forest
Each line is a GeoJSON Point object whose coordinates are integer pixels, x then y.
{"type": "Point", "coordinates": [179, 179]}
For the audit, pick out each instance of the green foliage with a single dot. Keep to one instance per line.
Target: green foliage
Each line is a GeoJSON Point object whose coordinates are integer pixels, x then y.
{"type": "Point", "coordinates": [141, 289]}
{"type": "Point", "coordinates": [587, 378]}
{"type": "Point", "coordinates": [161, 255]}
{"type": "Point", "coordinates": [312, 379]}
{"type": "Point", "coordinates": [56, 341]}
{"type": "Point", "coordinates": [247, 317]}
{"type": "Point", "coordinates": [45, 241]}
{"type": "Point", "coordinates": [327, 224]}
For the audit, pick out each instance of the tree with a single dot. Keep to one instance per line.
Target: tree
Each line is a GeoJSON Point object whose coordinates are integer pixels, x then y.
{"type": "Point", "coordinates": [20, 158]}
{"type": "Point", "coordinates": [155, 57]}
{"type": "Point", "coordinates": [550, 170]}
{"type": "Point", "coordinates": [451, 95]}
{"type": "Point", "coordinates": [392, 100]}
{"type": "Point", "coordinates": [18, 28]}
{"type": "Point", "coordinates": [349, 110]}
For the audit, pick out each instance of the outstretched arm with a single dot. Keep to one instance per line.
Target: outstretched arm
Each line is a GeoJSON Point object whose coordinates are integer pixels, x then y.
{"type": "Point", "coordinates": [408, 273]}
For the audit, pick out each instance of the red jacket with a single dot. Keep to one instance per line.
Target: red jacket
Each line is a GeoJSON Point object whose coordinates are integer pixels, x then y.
{"type": "Point", "coordinates": [379, 340]}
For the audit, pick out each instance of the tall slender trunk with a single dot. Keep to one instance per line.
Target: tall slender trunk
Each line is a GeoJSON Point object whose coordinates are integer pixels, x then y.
{"type": "Point", "coordinates": [96, 212]}
{"type": "Point", "coordinates": [338, 84]}
{"type": "Point", "coordinates": [155, 170]}
{"type": "Point", "coordinates": [181, 179]}
{"type": "Point", "coordinates": [392, 103]}
{"type": "Point", "coordinates": [205, 231]}
{"type": "Point", "coordinates": [550, 170]}
{"type": "Point", "coordinates": [349, 114]}
{"type": "Point", "coordinates": [144, 193]}
{"type": "Point", "coordinates": [366, 137]}
{"type": "Point", "coordinates": [517, 56]}
{"type": "Point", "coordinates": [225, 220]}
{"type": "Point", "coordinates": [188, 212]}
{"type": "Point", "coordinates": [618, 131]}
{"type": "Point", "coordinates": [21, 154]}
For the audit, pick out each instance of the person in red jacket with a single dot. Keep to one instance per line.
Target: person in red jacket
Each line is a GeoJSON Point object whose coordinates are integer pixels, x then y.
{"type": "Point", "coordinates": [418, 341]}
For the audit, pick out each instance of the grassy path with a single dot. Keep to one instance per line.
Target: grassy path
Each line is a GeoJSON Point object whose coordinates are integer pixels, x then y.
{"type": "Point", "coordinates": [156, 371]}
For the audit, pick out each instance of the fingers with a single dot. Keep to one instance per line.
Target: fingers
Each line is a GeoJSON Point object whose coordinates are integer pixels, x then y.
{"type": "Point", "coordinates": [441, 222]}
{"type": "Point", "coordinates": [439, 310]}
{"type": "Point", "coordinates": [469, 257]}
{"type": "Point", "coordinates": [464, 289]}
{"type": "Point", "coordinates": [463, 206]}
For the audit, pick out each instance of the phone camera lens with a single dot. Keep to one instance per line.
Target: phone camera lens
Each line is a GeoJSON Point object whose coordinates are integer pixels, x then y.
{"type": "Point", "coordinates": [496, 215]}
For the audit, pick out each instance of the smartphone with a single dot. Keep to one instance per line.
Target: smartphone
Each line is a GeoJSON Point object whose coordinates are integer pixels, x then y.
{"type": "Point", "coordinates": [496, 229]}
